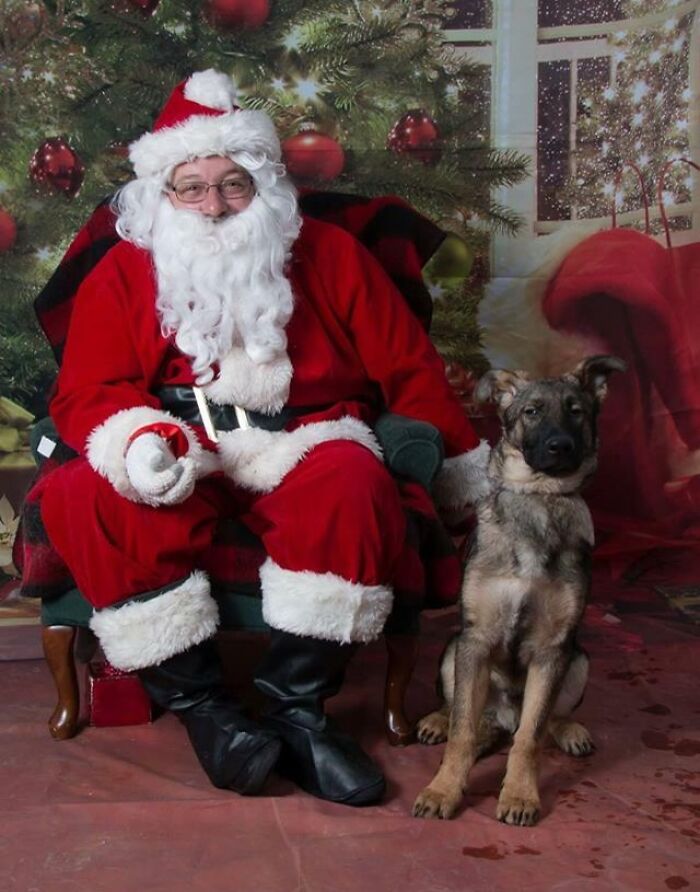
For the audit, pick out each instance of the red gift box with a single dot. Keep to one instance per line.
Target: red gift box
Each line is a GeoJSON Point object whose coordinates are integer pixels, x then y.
{"type": "Point", "coordinates": [116, 697]}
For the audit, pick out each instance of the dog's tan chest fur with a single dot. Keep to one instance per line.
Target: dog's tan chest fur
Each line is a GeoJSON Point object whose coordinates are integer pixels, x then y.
{"type": "Point", "coordinates": [522, 592]}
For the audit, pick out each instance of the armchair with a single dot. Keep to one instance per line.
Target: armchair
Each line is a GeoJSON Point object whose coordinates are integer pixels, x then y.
{"type": "Point", "coordinates": [402, 241]}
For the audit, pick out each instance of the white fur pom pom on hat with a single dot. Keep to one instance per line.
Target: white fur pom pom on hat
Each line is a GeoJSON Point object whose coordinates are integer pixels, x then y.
{"type": "Point", "coordinates": [212, 89]}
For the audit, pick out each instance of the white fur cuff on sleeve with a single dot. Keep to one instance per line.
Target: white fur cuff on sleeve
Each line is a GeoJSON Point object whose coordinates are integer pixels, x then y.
{"type": "Point", "coordinates": [107, 444]}
{"type": "Point", "coordinates": [463, 480]}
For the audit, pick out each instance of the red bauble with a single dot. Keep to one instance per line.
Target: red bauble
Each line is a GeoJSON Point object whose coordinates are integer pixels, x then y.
{"type": "Point", "coordinates": [311, 155]}
{"type": "Point", "coordinates": [416, 133]}
{"type": "Point", "coordinates": [23, 23]}
{"type": "Point", "coordinates": [8, 231]}
{"type": "Point", "coordinates": [56, 165]}
{"type": "Point", "coordinates": [230, 15]}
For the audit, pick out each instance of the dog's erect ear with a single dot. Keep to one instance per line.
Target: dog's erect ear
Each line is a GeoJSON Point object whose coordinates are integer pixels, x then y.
{"type": "Point", "coordinates": [593, 374]}
{"type": "Point", "coordinates": [500, 386]}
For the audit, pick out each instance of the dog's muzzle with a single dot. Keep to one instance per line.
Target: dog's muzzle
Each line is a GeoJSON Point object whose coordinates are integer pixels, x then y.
{"type": "Point", "coordinates": [554, 453]}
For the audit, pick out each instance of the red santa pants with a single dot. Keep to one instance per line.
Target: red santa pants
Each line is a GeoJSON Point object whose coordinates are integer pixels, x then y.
{"type": "Point", "coordinates": [337, 512]}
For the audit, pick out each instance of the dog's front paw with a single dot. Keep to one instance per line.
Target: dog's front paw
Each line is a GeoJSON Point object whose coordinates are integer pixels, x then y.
{"type": "Point", "coordinates": [520, 810]}
{"type": "Point", "coordinates": [432, 728]}
{"type": "Point", "coordinates": [573, 738]}
{"type": "Point", "coordinates": [433, 803]}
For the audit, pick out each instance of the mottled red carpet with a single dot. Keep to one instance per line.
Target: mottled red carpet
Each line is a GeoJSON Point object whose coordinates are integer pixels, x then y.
{"type": "Point", "coordinates": [122, 809]}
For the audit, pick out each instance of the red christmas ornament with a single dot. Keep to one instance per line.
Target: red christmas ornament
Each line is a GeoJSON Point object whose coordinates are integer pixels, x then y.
{"type": "Point", "coordinates": [23, 24]}
{"type": "Point", "coordinates": [55, 164]}
{"type": "Point", "coordinates": [311, 155]}
{"type": "Point", "coordinates": [8, 231]}
{"type": "Point", "coordinates": [416, 133]}
{"type": "Point", "coordinates": [230, 15]}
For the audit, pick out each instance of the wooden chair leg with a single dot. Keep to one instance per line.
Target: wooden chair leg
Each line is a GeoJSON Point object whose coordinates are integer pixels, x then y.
{"type": "Point", "coordinates": [85, 644]}
{"type": "Point", "coordinates": [58, 650]}
{"type": "Point", "coordinates": [402, 652]}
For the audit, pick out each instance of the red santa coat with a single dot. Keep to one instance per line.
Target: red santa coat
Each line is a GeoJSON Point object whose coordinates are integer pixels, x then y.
{"type": "Point", "coordinates": [354, 350]}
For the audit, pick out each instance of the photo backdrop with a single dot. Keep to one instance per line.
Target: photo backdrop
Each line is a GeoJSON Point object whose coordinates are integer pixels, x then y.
{"type": "Point", "coordinates": [527, 129]}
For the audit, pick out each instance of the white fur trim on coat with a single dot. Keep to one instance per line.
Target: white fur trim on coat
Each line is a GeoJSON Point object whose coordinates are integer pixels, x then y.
{"type": "Point", "coordinates": [262, 387]}
{"type": "Point", "coordinates": [463, 480]}
{"type": "Point", "coordinates": [107, 444]}
{"type": "Point", "coordinates": [259, 460]}
{"type": "Point", "coordinates": [243, 130]}
{"type": "Point", "coordinates": [144, 633]}
{"type": "Point", "coordinates": [323, 605]}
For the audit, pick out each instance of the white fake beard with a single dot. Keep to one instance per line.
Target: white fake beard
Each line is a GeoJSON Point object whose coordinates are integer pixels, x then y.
{"type": "Point", "coordinates": [221, 282]}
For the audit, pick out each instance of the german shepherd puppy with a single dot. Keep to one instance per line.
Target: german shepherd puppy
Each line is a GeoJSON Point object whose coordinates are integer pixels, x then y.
{"type": "Point", "coordinates": [516, 666]}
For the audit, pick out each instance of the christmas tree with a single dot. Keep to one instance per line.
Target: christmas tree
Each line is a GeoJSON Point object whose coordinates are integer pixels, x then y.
{"type": "Point", "coordinates": [367, 96]}
{"type": "Point", "coordinates": [639, 120]}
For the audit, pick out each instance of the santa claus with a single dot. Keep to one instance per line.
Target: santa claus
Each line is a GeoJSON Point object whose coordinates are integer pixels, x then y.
{"type": "Point", "coordinates": [229, 358]}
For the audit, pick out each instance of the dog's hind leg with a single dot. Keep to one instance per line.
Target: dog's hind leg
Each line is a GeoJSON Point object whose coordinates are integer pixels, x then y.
{"type": "Point", "coordinates": [571, 737]}
{"type": "Point", "coordinates": [432, 728]}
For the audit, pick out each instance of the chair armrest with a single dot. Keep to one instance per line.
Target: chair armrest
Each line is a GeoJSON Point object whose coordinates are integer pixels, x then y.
{"type": "Point", "coordinates": [412, 448]}
{"type": "Point", "coordinates": [44, 443]}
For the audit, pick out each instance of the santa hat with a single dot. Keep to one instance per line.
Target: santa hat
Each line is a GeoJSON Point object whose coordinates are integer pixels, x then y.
{"type": "Point", "coordinates": [201, 119]}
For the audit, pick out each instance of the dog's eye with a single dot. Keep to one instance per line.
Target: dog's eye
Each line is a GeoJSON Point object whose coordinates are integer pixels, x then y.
{"type": "Point", "coordinates": [531, 411]}
{"type": "Point", "coordinates": [575, 410]}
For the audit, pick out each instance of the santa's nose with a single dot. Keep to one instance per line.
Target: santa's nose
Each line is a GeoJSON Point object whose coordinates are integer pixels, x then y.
{"type": "Point", "coordinates": [214, 205]}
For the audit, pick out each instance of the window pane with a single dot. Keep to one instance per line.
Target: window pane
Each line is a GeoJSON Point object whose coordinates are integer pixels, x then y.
{"type": "Point", "coordinates": [471, 14]}
{"type": "Point", "coordinates": [553, 117]}
{"type": "Point", "coordinates": [575, 12]}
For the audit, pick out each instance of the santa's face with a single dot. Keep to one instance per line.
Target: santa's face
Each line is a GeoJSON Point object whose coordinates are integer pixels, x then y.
{"type": "Point", "coordinates": [214, 186]}
{"type": "Point", "coordinates": [220, 236]}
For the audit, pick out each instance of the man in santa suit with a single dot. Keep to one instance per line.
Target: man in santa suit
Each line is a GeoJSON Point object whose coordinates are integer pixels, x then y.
{"type": "Point", "coordinates": [229, 358]}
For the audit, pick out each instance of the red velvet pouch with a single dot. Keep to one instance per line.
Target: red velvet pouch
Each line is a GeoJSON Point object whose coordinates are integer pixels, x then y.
{"type": "Point", "coordinates": [116, 697]}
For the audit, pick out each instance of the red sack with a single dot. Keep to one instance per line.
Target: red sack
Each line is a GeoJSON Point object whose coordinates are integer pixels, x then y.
{"type": "Point", "coordinates": [638, 300]}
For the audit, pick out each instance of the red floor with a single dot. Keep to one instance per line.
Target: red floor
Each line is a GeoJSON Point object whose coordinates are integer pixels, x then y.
{"type": "Point", "coordinates": [123, 809]}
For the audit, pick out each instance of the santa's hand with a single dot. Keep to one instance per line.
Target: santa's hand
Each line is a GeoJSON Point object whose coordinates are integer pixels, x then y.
{"type": "Point", "coordinates": [157, 476]}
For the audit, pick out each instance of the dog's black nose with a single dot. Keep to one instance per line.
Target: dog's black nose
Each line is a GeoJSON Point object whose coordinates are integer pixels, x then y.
{"type": "Point", "coordinates": [560, 445]}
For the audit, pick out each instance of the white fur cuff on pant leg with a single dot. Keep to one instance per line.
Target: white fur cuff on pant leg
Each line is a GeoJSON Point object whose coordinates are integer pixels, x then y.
{"type": "Point", "coordinates": [144, 633]}
{"type": "Point", "coordinates": [323, 605]}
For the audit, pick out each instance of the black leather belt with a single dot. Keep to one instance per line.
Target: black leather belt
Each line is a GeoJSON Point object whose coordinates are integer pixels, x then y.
{"type": "Point", "coordinates": [181, 401]}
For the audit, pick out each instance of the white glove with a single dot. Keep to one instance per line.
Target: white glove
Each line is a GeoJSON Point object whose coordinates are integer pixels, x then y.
{"type": "Point", "coordinates": [156, 475]}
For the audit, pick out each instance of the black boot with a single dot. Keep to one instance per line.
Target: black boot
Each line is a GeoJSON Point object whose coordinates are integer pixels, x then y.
{"type": "Point", "coordinates": [299, 674]}
{"type": "Point", "coordinates": [235, 752]}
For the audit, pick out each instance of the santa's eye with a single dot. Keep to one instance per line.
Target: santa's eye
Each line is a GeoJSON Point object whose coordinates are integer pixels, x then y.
{"type": "Point", "coordinates": [190, 191]}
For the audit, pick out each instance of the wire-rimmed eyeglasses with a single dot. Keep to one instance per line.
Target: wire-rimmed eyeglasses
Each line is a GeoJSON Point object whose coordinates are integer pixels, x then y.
{"type": "Point", "coordinates": [229, 188]}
